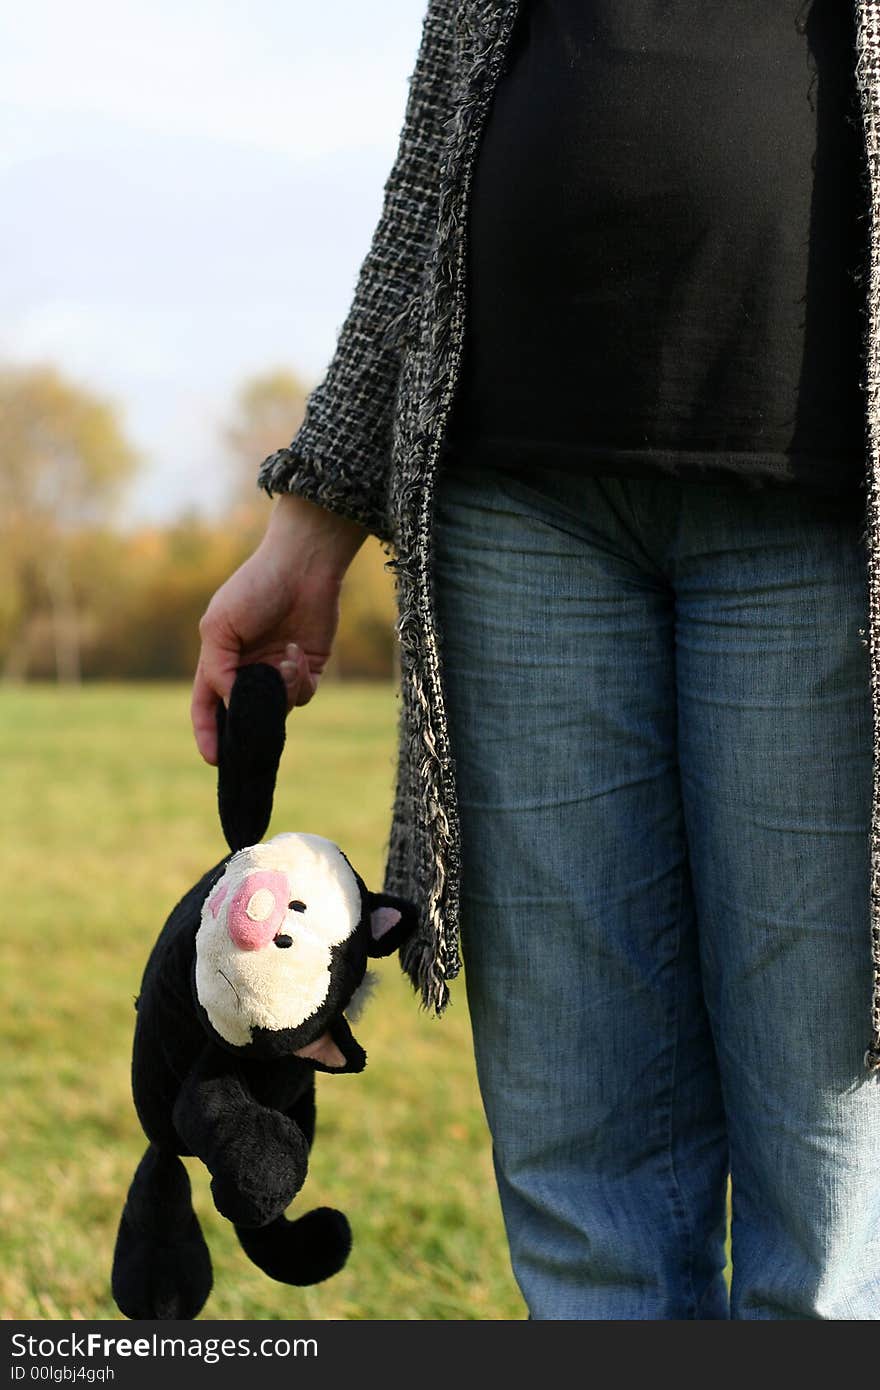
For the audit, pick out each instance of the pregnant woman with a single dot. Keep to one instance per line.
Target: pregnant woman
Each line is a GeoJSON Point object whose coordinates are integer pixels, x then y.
{"type": "Point", "coordinates": [602, 388]}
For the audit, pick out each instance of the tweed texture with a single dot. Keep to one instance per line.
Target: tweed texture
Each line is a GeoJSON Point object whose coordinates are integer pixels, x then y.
{"type": "Point", "coordinates": [868, 81]}
{"type": "Point", "coordinates": [369, 445]}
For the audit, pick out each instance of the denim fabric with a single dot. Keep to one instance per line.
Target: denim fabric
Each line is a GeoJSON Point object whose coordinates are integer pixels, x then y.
{"type": "Point", "coordinates": [658, 700]}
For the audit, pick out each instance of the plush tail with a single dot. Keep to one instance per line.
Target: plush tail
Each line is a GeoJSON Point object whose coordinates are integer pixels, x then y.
{"type": "Point", "coordinates": [161, 1264]}
{"type": "Point", "coordinates": [304, 1251]}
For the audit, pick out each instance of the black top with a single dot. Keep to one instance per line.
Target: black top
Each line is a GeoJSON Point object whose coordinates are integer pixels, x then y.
{"type": "Point", "coordinates": [665, 220]}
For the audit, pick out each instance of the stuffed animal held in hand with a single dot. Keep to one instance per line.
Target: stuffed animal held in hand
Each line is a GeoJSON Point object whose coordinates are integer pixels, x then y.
{"type": "Point", "coordinates": [244, 998]}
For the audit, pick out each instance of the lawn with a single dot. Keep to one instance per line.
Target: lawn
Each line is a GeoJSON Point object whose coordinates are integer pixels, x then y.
{"type": "Point", "coordinates": [107, 815]}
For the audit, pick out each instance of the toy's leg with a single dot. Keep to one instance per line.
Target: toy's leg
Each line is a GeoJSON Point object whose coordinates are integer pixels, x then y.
{"type": "Point", "coordinates": [311, 1248]}
{"type": "Point", "coordinates": [257, 1156]}
{"type": "Point", "coordinates": [161, 1265]}
{"type": "Point", "coordinates": [304, 1251]}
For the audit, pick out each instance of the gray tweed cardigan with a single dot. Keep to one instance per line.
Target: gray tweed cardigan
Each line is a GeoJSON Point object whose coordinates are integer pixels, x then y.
{"type": "Point", "coordinates": [368, 446]}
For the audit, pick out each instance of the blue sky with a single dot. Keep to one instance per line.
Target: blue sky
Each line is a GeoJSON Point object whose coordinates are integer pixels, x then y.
{"type": "Point", "coordinates": [188, 190]}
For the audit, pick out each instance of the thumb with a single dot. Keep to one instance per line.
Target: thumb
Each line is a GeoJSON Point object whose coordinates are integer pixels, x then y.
{"type": "Point", "coordinates": [299, 682]}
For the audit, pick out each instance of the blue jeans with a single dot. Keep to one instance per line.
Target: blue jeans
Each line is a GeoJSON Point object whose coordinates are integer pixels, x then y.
{"type": "Point", "coordinates": [659, 706]}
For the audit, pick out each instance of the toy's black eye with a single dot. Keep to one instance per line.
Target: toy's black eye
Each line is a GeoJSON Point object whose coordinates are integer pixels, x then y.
{"type": "Point", "coordinates": [297, 906]}
{"type": "Point", "coordinates": [283, 940]}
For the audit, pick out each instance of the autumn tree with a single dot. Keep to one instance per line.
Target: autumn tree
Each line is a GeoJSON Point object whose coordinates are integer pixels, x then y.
{"type": "Point", "coordinates": [267, 413]}
{"type": "Point", "coordinates": [64, 462]}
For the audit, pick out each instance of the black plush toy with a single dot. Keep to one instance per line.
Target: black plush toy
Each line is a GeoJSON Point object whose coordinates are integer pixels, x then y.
{"type": "Point", "coordinates": [243, 999]}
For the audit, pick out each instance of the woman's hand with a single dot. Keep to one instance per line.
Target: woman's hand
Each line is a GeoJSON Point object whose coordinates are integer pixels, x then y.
{"type": "Point", "coordinates": [281, 606]}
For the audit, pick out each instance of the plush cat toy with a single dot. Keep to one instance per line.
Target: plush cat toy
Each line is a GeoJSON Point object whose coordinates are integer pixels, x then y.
{"type": "Point", "coordinates": [243, 999]}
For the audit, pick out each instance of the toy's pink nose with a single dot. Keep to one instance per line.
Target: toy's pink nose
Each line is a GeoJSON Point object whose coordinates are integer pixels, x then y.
{"type": "Point", "coordinates": [258, 909]}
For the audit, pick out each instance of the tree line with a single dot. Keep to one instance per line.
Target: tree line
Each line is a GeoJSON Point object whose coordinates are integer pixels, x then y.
{"type": "Point", "coordinates": [83, 596]}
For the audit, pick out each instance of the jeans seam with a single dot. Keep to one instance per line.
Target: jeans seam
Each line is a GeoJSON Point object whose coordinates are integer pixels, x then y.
{"type": "Point", "coordinates": [678, 1203]}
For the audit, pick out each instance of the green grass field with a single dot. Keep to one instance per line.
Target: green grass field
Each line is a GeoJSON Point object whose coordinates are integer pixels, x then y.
{"type": "Point", "coordinates": [107, 815]}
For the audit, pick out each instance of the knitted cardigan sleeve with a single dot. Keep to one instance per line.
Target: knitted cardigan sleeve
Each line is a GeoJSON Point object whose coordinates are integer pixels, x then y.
{"type": "Point", "coordinates": [340, 456]}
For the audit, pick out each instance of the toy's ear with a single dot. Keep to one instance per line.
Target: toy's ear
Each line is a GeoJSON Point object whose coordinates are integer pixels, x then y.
{"type": "Point", "coordinates": [392, 920]}
{"type": "Point", "coordinates": [250, 740]}
{"type": "Point", "coordinates": [337, 1049]}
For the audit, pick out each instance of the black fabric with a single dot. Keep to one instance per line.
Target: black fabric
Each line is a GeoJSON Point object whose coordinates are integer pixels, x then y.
{"type": "Point", "coordinates": [665, 226]}
{"type": "Point", "coordinates": [250, 741]}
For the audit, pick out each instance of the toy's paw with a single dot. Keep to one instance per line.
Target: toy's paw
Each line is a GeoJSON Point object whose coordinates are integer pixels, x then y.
{"type": "Point", "coordinates": [259, 1173]}
{"type": "Point", "coordinates": [153, 1278]}
{"type": "Point", "coordinates": [300, 1252]}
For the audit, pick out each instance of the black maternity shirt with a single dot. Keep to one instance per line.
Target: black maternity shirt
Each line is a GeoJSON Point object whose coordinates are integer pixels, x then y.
{"type": "Point", "coordinates": [665, 226]}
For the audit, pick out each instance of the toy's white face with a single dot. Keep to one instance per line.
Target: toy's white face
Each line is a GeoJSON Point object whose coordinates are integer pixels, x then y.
{"type": "Point", "coordinates": [266, 933]}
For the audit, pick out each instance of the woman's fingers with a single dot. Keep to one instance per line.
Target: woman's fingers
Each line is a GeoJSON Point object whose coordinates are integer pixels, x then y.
{"type": "Point", "coordinates": [203, 712]}
{"type": "Point", "coordinates": [214, 676]}
{"type": "Point", "coordinates": [215, 673]}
